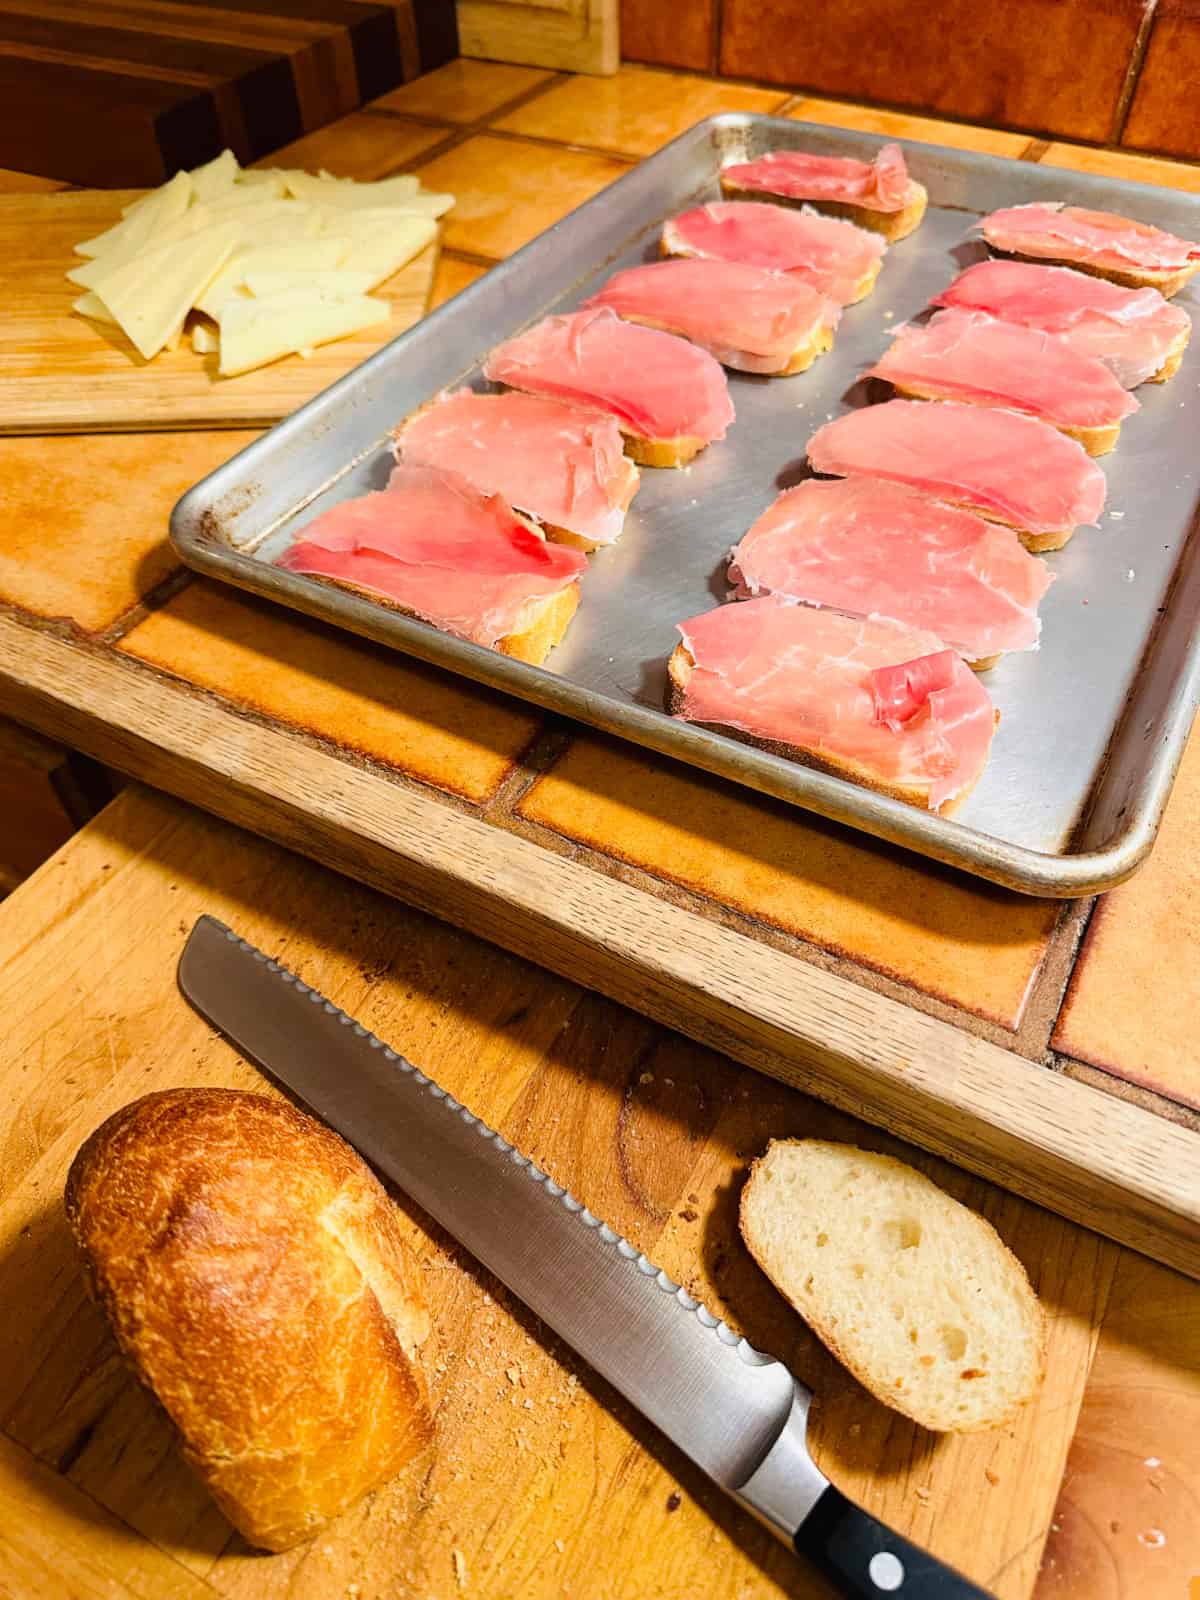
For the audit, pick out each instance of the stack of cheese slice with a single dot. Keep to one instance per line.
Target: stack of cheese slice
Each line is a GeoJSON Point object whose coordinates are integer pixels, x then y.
{"type": "Point", "coordinates": [264, 263]}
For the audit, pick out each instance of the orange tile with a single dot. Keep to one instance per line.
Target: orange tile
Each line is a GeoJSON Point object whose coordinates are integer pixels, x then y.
{"type": "Point", "coordinates": [27, 183]}
{"type": "Point", "coordinates": [451, 278]}
{"type": "Point", "coordinates": [636, 111]}
{"type": "Point", "coordinates": [507, 191]}
{"type": "Point", "coordinates": [1120, 164]}
{"type": "Point", "coordinates": [899, 125]}
{"type": "Point", "coordinates": [359, 146]}
{"type": "Point", "coordinates": [1134, 999]}
{"type": "Point", "coordinates": [967, 943]}
{"type": "Point", "coordinates": [436, 728]}
{"type": "Point", "coordinates": [83, 519]}
{"type": "Point", "coordinates": [462, 91]}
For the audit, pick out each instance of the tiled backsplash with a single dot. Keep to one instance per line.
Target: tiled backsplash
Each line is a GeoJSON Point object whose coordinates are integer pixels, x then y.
{"type": "Point", "coordinates": [1108, 71]}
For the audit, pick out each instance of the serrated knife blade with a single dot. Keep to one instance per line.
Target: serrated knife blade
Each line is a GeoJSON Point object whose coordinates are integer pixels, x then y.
{"type": "Point", "coordinates": [738, 1414]}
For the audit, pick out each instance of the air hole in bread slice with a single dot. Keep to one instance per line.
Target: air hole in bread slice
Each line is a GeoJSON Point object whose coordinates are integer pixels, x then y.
{"type": "Point", "coordinates": [902, 1233]}
{"type": "Point", "coordinates": [954, 1342]}
{"type": "Point", "coordinates": [822, 1240]}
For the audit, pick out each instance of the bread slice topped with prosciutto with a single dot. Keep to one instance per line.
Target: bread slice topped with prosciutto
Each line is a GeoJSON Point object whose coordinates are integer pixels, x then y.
{"type": "Point", "coordinates": [833, 257]}
{"type": "Point", "coordinates": [877, 194]}
{"type": "Point", "coordinates": [564, 467]}
{"type": "Point", "coordinates": [1004, 466]}
{"type": "Point", "coordinates": [432, 546]}
{"type": "Point", "coordinates": [975, 358]}
{"type": "Point", "coordinates": [747, 318]}
{"type": "Point", "coordinates": [1138, 335]}
{"type": "Point", "coordinates": [882, 550]}
{"type": "Point", "coordinates": [669, 397]}
{"type": "Point", "coordinates": [886, 706]}
{"type": "Point", "coordinates": [1134, 254]}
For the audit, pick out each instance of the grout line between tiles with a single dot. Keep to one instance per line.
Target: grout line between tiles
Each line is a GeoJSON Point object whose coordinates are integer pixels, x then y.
{"type": "Point", "coordinates": [1133, 72]}
{"type": "Point", "coordinates": [1048, 987]}
{"type": "Point", "coordinates": [154, 599]}
{"type": "Point", "coordinates": [457, 133]}
{"type": "Point", "coordinates": [1135, 1094]}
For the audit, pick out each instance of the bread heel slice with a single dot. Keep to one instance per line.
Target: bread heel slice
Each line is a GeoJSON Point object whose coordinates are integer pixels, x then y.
{"type": "Point", "coordinates": [916, 1294]}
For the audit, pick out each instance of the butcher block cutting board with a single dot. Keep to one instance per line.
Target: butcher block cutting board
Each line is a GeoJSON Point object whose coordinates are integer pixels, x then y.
{"type": "Point", "coordinates": [61, 373]}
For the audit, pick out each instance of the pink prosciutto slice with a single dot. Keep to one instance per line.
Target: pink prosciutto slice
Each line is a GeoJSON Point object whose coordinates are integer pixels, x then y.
{"type": "Point", "coordinates": [968, 355]}
{"type": "Point", "coordinates": [883, 550]}
{"type": "Point", "coordinates": [879, 185]}
{"type": "Point", "coordinates": [801, 678]}
{"type": "Point", "coordinates": [746, 317]}
{"type": "Point", "coordinates": [900, 692]}
{"type": "Point", "coordinates": [562, 466]}
{"type": "Point", "coordinates": [1090, 239]}
{"type": "Point", "coordinates": [657, 386]}
{"type": "Point", "coordinates": [1135, 332]}
{"type": "Point", "coordinates": [833, 257]}
{"type": "Point", "coordinates": [1008, 467]}
{"type": "Point", "coordinates": [436, 546]}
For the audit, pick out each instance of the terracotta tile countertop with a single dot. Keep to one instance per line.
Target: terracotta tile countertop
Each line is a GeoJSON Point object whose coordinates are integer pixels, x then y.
{"type": "Point", "coordinates": [1105, 992]}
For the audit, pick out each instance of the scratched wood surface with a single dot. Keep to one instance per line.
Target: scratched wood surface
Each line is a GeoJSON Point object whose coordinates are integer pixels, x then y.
{"type": "Point", "coordinates": [541, 1482]}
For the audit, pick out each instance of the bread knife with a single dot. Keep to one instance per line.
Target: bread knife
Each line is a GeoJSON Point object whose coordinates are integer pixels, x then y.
{"type": "Point", "coordinates": [738, 1414]}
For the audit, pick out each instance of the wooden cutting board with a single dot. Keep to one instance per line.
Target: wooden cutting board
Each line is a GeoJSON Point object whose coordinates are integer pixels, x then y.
{"type": "Point", "coordinates": [61, 373]}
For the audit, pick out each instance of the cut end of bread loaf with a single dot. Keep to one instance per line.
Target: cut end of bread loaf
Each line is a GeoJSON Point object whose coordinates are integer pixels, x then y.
{"type": "Point", "coordinates": [893, 225]}
{"type": "Point", "coordinates": [916, 1294]}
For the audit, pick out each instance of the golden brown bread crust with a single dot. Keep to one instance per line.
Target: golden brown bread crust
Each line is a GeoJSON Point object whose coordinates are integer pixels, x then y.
{"type": "Point", "coordinates": [544, 622]}
{"type": "Point", "coordinates": [678, 670]}
{"type": "Point", "coordinates": [662, 452]}
{"type": "Point", "coordinates": [1096, 441]}
{"type": "Point", "coordinates": [1168, 281]}
{"type": "Point", "coordinates": [257, 1281]}
{"type": "Point", "coordinates": [893, 225]}
{"type": "Point", "coordinates": [1174, 356]}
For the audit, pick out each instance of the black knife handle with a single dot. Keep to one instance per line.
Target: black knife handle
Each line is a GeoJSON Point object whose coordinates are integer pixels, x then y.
{"type": "Point", "coordinates": [867, 1561]}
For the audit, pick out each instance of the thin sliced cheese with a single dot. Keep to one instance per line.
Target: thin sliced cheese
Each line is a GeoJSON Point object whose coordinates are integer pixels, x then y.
{"type": "Point", "coordinates": [380, 249]}
{"type": "Point", "coordinates": [216, 178]}
{"type": "Point", "coordinates": [205, 338]}
{"type": "Point", "coordinates": [91, 305]}
{"type": "Point", "coordinates": [345, 193]}
{"type": "Point", "coordinates": [336, 281]}
{"type": "Point", "coordinates": [132, 234]}
{"type": "Point", "coordinates": [151, 297]}
{"type": "Point", "coordinates": [255, 332]}
{"type": "Point", "coordinates": [299, 255]}
{"type": "Point", "coordinates": [238, 196]}
{"type": "Point", "coordinates": [91, 274]}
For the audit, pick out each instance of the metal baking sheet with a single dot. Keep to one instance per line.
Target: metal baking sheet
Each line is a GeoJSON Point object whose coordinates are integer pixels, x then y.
{"type": "Point", "coordinates": [1092, 724]}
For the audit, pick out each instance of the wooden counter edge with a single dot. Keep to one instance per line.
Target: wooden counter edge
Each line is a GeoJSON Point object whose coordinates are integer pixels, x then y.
{"type": "Point", "coordinates": [1093, 1158]}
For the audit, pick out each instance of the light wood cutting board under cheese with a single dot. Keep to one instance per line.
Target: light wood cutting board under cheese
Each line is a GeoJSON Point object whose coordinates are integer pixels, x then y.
{"type": "Point", "coordinates": [60, 373]}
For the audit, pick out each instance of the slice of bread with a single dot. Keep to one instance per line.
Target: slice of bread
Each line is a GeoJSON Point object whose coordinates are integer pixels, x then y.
{"type": "Point", "coordinates": [892, 225]}
{"type": "Point", "coordinates": [662, 452]}
{"type": "Point", "coordinates": [540, 625]}
{"type": "Point", "coordinates": [815, 343]}
{"type": "Point", "coordinates": [1096, 441]}
{"type": "Point", "coordinates": [1174, 356]}
{"type": "Point", "coordinates": [916, 1294]}
{"type": "Point", "coordinates": [1167, 280]}
{"type": "Point", "coordinates": [671, 245]}
{"type": "Point", "coordinates": [679, 670]}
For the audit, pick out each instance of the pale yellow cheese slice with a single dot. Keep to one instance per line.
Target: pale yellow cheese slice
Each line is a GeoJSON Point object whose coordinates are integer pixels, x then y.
{"type": "Point", "coordinates": [383, 242]}
{"type": "Point", "coordinates": [90, 274]}
{"type": "Point", "coordinates": [205, 338]}
{"type": "Point", "coordinates": [91, 305]}
{"type": "Point", "coordinates": [328, 190]}
{"type": "Point", "coordinates": [150, 297]}
{"type": "Point", "coordinates": [315, 255]}
{"type": "Point", "coordinates": [156, 209]}
{"type": "Point", "coordinates": [335, 280]}
{"type": "Point", "coordinates": [255, 332]}
{"type": "Point", "coordinates": [216, 178]}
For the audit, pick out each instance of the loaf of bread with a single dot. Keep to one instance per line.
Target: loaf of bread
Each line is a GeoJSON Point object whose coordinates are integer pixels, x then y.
{"type": "Point", "coordinates": [256, 1279]}
{"type": "Point", "coordinates": [912, 1291]}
